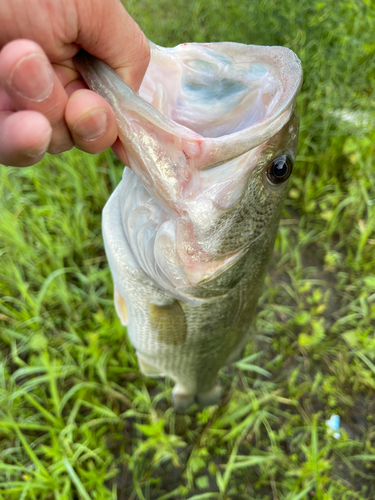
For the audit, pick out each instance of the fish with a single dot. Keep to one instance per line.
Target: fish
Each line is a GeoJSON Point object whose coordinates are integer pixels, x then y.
{"type": "Point", "coordinates": [211, 140]}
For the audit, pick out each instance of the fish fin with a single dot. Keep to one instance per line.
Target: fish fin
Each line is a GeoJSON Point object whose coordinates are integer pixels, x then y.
{"type": "Point", "coordinates": [211, 397]}
{"type": "Point", "coordinates": [181, 399]}
{"type": "Point", "coordinates": [169, 323]}
{"type": "Point", "coordinates": [121, 309]}
{"type": "Point", "coordinates": [147, 369]}
{"type": "Point", "coordinates": [238, 352]}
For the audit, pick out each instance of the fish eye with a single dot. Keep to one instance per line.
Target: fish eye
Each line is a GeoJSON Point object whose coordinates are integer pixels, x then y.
{"type": "Point", "coordinates": [279, 169]}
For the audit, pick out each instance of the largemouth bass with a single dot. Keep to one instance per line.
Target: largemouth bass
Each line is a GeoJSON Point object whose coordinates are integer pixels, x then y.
{"type": "Point", "coordinates": [211, 140]}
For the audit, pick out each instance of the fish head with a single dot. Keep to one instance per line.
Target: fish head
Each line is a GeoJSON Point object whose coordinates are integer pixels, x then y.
{"type": "Point", "coordinates": [211, 140]}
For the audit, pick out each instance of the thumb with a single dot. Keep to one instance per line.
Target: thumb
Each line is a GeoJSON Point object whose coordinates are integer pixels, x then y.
{"type": "Point", "coordinates": [106, 31]}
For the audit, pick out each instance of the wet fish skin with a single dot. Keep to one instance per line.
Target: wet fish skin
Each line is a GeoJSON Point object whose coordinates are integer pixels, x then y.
{"type": "Point", "coordinates": [191, 228]}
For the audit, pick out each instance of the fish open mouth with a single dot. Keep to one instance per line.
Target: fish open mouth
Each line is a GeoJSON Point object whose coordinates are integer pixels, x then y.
{"type": "Point", "coordinates": [215, 91]}
{"type": "Point", "coordinates": [203, 93]}
{"type": "Point", "coordinates": [194, 136]}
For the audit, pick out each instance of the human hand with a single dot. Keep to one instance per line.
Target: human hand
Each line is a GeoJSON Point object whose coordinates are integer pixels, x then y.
{"type": "Point", "coordinates": [44, 104]}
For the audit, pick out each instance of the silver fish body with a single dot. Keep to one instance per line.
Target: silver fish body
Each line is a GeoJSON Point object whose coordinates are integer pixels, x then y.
{"type": "Point", "coordinates": [189, 231]}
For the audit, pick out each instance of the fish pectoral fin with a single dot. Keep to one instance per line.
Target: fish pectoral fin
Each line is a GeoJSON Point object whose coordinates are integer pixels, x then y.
{"type": "Point", "coordinates": [238, 351]}
{"type": "Point", "coordinates": [168, 322]}
{"type": "Point", "coordinates": [211, 397]}
{"type": "Point", "coordinates": [182, 399]}
{"type": "Point", "coordinates": [147, 369]}
{"type": "Point", "coordinates": [120, 306]}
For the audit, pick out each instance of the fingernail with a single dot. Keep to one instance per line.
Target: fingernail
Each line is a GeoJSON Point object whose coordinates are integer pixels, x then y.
{"type": "Point", "coordinates": [32, 78]}
{"type": "Point", "coordinates": [92, 126]}
{"type": "Point", "coordinates": [39, 150]}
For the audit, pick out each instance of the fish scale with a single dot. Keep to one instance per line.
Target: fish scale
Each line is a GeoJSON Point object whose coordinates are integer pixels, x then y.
{"type": "Point", "coordinates": [190, 229]}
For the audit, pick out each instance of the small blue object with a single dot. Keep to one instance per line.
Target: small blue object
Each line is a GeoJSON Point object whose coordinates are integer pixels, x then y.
{"type": "Point", "coordinates": [334, 425]}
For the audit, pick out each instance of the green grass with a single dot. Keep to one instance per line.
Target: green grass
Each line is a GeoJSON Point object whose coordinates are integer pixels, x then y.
{"type": "Point", "coordinates": [78, 421]}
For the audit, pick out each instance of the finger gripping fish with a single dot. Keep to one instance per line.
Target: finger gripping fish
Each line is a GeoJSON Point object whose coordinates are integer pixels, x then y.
{"type": "Point", "coordinates": [211, 140]}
